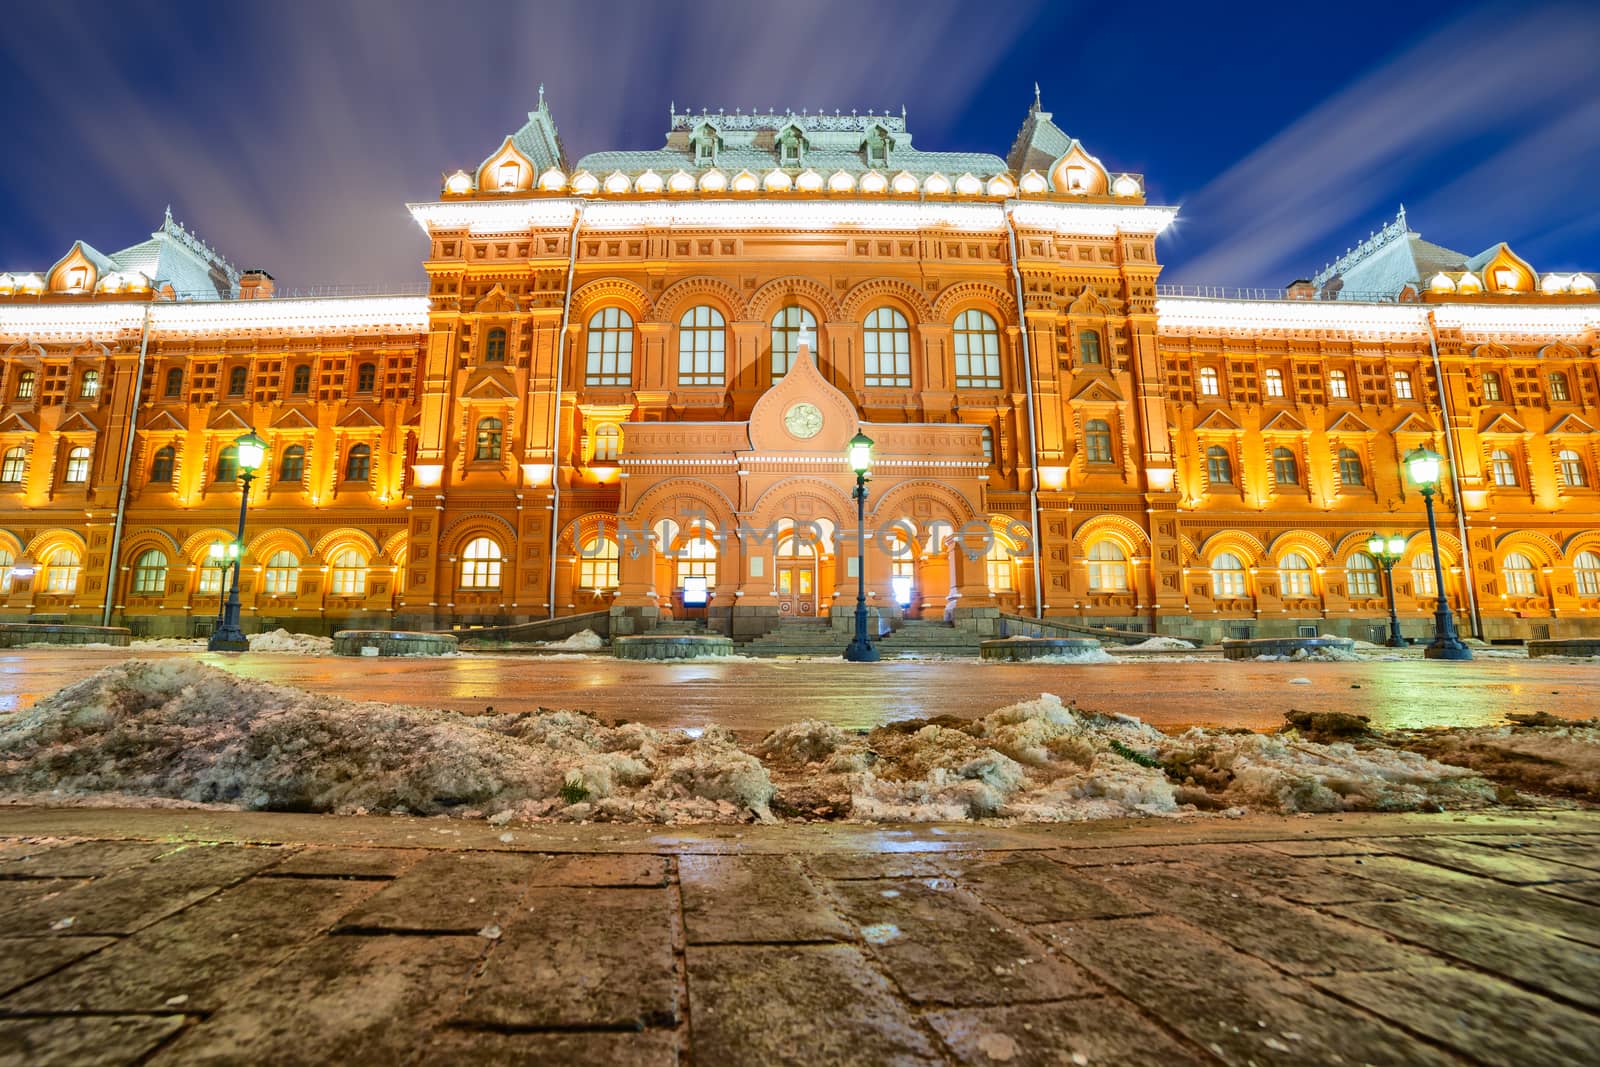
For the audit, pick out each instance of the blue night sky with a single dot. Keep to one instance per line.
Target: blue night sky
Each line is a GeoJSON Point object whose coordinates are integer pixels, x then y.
{"type": "Point", "coordinates": [290, 135]}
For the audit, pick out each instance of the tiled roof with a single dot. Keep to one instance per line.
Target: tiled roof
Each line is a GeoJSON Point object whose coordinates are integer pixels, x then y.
{"type": "Point", "coordinates": [758, 161]}
{"type": "Point", "coordinates": [174, 256]}
{"type": "Point", "coordinates": [1039, 143]}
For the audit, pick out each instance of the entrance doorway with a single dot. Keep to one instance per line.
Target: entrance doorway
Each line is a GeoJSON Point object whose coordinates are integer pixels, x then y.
{"type": "Point", "coordinates": [797, 578]}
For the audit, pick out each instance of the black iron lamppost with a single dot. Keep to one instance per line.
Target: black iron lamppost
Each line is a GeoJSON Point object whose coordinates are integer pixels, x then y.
{"type": "Point", "coordinates": [860, 650]}
{"type": "Point", "coordinates": [1387, 551]}
{"type": "Point", "coordinates": [222, 556]}
{"type": "Point", "coordinates": [1423, 466]}
{"type": "Point", "coordinates": [250, 451]}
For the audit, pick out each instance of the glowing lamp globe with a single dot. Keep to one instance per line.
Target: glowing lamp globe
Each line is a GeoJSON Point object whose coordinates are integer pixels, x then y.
{"type": "Point", "coordinates": [252, 451]}
{"type": "Point", "coordinates": [1397, 545]}
{"type": "Point", "coordinates": [1375, 544]}
{"type": "Point", "coordinates": [1423, 466]}
{"type": "Point", "coordinates": [861, 453]}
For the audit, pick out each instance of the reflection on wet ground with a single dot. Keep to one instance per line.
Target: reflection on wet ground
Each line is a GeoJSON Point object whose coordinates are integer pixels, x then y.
{"type": "Point", "coordinates": [754, 696]}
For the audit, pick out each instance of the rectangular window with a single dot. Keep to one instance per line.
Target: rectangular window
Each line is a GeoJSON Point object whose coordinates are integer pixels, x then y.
{"type": "Point", "coordinates": [1402, 385]}
{"type": "Point", "coordinates": [1274, 383]}
{"type": "Point", "coordinates": [1338, 385]}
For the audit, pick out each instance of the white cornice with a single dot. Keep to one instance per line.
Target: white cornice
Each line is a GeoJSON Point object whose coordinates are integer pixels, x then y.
{"type": "Point", "coordinates": [387, 314]}
{"type": "Point", "coordinates": [1201, 315]}
{"type": "Point", "coordinates": [68, 321]}
{"type": "Point", "coordinates": [1517, 319]}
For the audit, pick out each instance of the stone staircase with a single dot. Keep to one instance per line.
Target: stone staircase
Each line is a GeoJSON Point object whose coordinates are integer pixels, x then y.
{"type": "Point", "coordinates": [929, 637]}
{"type": "Point", "coordinates": [678, 627]}
{"type": "Point", "coordinates": [816, 637]}
{"type": "Point", "coordinates": [799, 637]}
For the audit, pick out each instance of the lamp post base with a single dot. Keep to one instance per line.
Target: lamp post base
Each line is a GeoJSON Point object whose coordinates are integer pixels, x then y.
{"type": "Point", "coordinates": [221, 643]}
{"type": "Point", "coordinates": [861, 651]}
{"type": "Point", "coordinates": [1447, 650]}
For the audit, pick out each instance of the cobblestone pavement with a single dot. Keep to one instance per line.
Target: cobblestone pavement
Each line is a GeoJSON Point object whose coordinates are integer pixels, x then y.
{"type": "Point", "coordinates": [187, 937]}
{"type": "Point", "coordinates": [755, 696]}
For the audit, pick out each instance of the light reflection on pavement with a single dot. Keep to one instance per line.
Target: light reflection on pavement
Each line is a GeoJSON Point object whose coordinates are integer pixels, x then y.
{"type": "Point", "coordinates": [754, 696]}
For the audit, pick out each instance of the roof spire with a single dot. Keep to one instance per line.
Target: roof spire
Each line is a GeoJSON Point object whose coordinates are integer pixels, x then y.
{"type": "Point", "coordinates": [1036, 105]}
{"type": "Point", "coordinates": [541, 94]}
{"type": "Point", "coordinates": [1401, 219]}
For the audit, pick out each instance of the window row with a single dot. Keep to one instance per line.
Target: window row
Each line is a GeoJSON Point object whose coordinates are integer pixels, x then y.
{"type": "Point", "coordinates": [299, 381]}
{"type": "Point", "coordinates": [1285, 468]}
{"type": "Point", "coordinates": [357, 466]}
{"type": "Point", "coordinates": [1272, 384]}
{"type": "Point", "coordinates": [280, 576]}
{"type": "Point", "coordinates": [1558, 389]}
{"type": "Point", "coordinates": [28, 384]}
{"type": "Point", "coordinates": [14, 463]}
{"type": "Point", "coordinates": [1504, 472]}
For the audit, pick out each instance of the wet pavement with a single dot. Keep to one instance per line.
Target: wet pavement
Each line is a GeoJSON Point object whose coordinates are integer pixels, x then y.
{"type": "Point", "coordinates": [754, 696]}
{"type": "Point", "coordinates": [188, 937]}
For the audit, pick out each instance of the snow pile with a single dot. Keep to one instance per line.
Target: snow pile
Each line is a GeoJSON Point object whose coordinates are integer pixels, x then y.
{"type": "Point", "coordinates": [186, 731]}
{"type": "Point", "coordinates": [169, 644]}
{"type": "Point", "coordinates": [582, 641]}
{"type": "Point", "coordinates": [281, 640]}
{"type": "Point", "coordinates": [1319, 655]}
{"type": "Point", "coordinates": [1159, 644]}
{"type": "Point", "coordinates": [1542, 754]}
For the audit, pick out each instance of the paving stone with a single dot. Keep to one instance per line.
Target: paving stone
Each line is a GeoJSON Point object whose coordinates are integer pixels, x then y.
{"type": "Point", "coordinates": [1517, 950]}
{"type": "Point", "coordinates": [1292, 937]}
{"type": "Point", "coordinates": [1555, 850]}
{"type": "Point", "coordinates": [1353, 846]}
{"type": "Point", "coordinates": [133, 898]}
{"type": "Point", "coordinates": [807, 1005]}
{"type": "Point", "coordinates": [346, 1000]}
{"type": "Point", "coordinates": [1565, 918]}
{"type": "Point", "coordinates": [96, 1041]}
{"type": "Point", "coordinates": [449, 892]}
{"type": "Point", "coordinates": [1030, 888]}
{"type": "Point", "coordinates": [80, 859]}
{"type": "Point", "coordinates": [378, 863]}
{"type": "Point", "coordinates": [24, 959]}
{"type": "Point", "coordinates": [1113, 856]}
{"type": "Point", "coordinates": [1499, 864]}
{"type": "Point", "coordinates": [1587, 892]}
{"type": "Point", "coordinates": [942, 947]}
{"type": "Point", "coordinates": [754, 898]}
{"type": "Point", "coordinates": [1303, 879]}
{"type": "Point", "coordinates": [599, 871]}
{"type": "Point", "coordinates": [1104, 1031]}
{"type": "Point", "coordinates": [202, 955]}
{"type": "Point", "coordinates": [452, 1048]}
{"type": "Point", "coordinates": [1477, 1015]}
{"type": "Point", "coordinates": [863, 865]}
{"type": "Point", "coordinates": [1234, 1006]}
{"type": "Point", "coordinates": [581, 957]}
{"type": "Point", "coordinates": [27, 892]}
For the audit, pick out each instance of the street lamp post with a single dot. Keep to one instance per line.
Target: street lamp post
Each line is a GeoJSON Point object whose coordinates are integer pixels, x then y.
{"type": "Point", "coordinates": [1387, 551]}
{"type": "Point", "coordinates": [227, 637]}
{"type": "Point", "coordinates": [223, 556]}
{"type": "Point", "coordinates": [1423, 466]}
{"type": "Point", "coordinates": [860, 650]}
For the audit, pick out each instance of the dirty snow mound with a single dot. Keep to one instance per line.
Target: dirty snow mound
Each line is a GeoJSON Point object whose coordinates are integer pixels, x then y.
{"type": "Point", "coordinates": [1562, 758]}
{"type": "Point", "coordinates": [165, 644]}
{"type": "Point", "coordinates": [1159, 644]}
{"type": "Point", "coordinates": [281, 640]}
{"type": "Point", "coordinates": [582, 641]}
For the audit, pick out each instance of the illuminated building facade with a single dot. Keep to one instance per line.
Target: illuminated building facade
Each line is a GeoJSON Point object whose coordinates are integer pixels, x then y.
{"type": "Point", "coordinates": [633, 374]}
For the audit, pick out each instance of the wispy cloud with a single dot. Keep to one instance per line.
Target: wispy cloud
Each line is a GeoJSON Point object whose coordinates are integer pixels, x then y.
{"type": "Point", "coordinates": [1511, 100]}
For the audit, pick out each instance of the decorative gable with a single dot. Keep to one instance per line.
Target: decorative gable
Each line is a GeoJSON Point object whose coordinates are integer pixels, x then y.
{"type": "Point", "coordinates": [1079, 173]}
{"type": "Point", "coordinates": [293, 419]}
{"type": "Point", "coordinates": [507, 171]}
{"type": "Point", "coordinates": [15, 423]}
{"type": "Point", "coordinates": [77, 422]}
{"type": "Point", "coordinates": [1570, 424]}
{"type": "Point", "coordinates": [1348, 423]}
{"type": "Point", "coordinates": [773, 429]}
{"type": "Point", "coordinates": [1098, 391]}
{"type": "Point", "coordinates": [359, 418]}
{"type": "Point", "coordinates": [162, 421]}
{"type": "Point", "coordinates": [1503, 425]}
{"type": "Point", "coordinates": [496, 302]}
{"type": "Point", "coordinates": [1412, 423]}
{"type": "Point", "coordinates": [228, 419]}
{"type": "Point", "coordinates": [490, 387]}
{"type": "Point", "coordinates": [1284, 422]}
{"type": "Point", "coordinates": [1217, 422]}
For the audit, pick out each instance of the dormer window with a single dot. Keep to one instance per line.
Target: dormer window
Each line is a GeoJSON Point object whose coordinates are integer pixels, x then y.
{"type": "Point", "coordinates": [78, 278]}
{"type": "Point", "coordinates": [1077, 179]}
{"type": "Point", "coordinates": [510, 174]}
{"type": "Point", "coordinates": [791, 147]}
{"type": "Point", "coordinates": [878, 147]}
{"type": "Point", "coordinates": [705, 145]}
{"type": "Point", "coordinates": [1505, 278]}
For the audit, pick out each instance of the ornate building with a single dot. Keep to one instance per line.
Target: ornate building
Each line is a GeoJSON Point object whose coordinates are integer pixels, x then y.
{"type": "Point", "coordinates": [633, 376]}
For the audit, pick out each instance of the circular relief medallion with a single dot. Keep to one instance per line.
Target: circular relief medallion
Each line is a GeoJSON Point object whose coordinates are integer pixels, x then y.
{"type": "Point", "coordinates": [803, 420]}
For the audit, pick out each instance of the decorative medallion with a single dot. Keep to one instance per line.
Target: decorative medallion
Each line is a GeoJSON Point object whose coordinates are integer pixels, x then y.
{"type": "Point", "coordinates": [803, 420]}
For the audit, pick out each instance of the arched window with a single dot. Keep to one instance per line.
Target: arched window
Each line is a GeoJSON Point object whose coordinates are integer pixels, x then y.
{"type": "Point", "coordinates": [1558, 386]}
{"type": "Point", "coordinates": [489, 435]}
{"type": "Point", "coordinates": [1402, 385]}
{"type": "Point", "coordinates": [1362, 574]}
{"type": "Point", "coordinates": [25, 382]}
{"type": "Point", "coordinates": [211, 572]}
{"type": "Point", "coordinates": [1001, 567]}
{"type": "Point", "coordinates": [7, 561]}
{"type": "Point", "coordinates": [1503, 467]}
{"type": "Point", "coordinates": [610, 342]}
{"type": "Point", "coordinates": [1294, 575]}
{"type": "Point", "coordinates": [174, 387]}
{"type": "Point", "coordinates": [697, 558]}
{"type": "Point", "coordinates": [61, 569]}
{"type": "Point", "coordinates": [886, 344]}
{"type": "Point", "coordinates": [162, 464]}
{"type": "Point", "coordinates": [494, 346]}
{"type": "Point", "coordinates": [1089, 345]}
{"type": "Point", "coordinates": [1274, 382]}
{"type": "Point", "coordinates": [358, 463]}
{"type": "Point", "coordinates": [480, 564]}
{"type": "Point", "coordinates": [1350, 469]}
{"type": "Point", "coordinates": [150, 573]}
{"type": "Point", "coordinates": [1108, 568]}
{"type": "Point", "coordinates": [1227, 577]}
{"type": "Point", "coordinates": [77, 466]}
{"type": "Point", "coordinates": [1422, 576]}
{"type": "Point", "coordinates": [977, 347]}
{"type": "Point", "coordinates": [238, 377]}
{"type": "Point", "coordinates": [282, 577]}
{"type": "Point", "coordinates": [366, 378]}
{"type": "Point", "coordinates": [292, 467]}
{"type": "Point", "coordinates": [349, 573]}
{"type": "Point", "coordinates": [597, 564]}
{"type": "Point", "coordinates": [1586, 570]}
{"type": "Point", "coordinates": [701, 343]}
{"type": "Point", "coordinates": [1338, 385]}
{"type": "Point", "coordinates": [1491, 386]}
{"type": "Point", "coordinates": [1097, 441]}
{"type": "Point", "coordinates": [89, 385]}
{"type": "Point", "coordinates": [787, 326]}
{"type": "Point", "coordinates": [300, 380]}
{"type": "Point", "coordinates": [12, 466]}
{"type": "Point", "coordinates": [1219, 466]}
{"type": "Point", "coordinates": [1210, 384]}
{"type": "Point", "coordinates": [1521, 578]}
{"type": "Point", "coordinates": [987, 440]}
{"type": "Point", "coordinates": [1572, 473]}
{"type": "Point", "coordinates": [227, 465]}
{"type": "Point", "coordinates": [1285, 471]}
{"type": "Point", "coordinates": [607, 443]}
